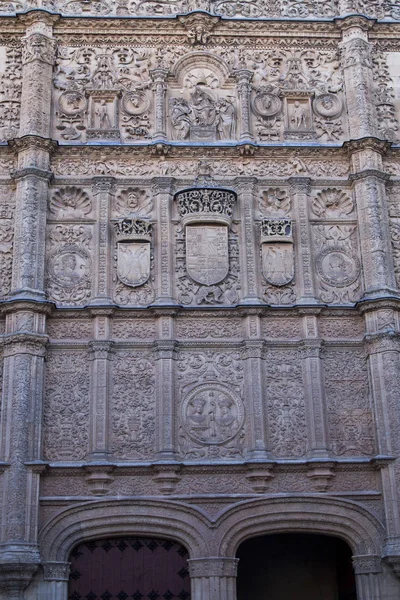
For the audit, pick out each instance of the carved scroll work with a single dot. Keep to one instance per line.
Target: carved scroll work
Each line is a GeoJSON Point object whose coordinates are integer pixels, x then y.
{"type": "Point", "coordinates": [277, 251]}
{"type": "Point", "coordinates": [133, 250]}
{"type": "Point", "coordinates": [206, 215]}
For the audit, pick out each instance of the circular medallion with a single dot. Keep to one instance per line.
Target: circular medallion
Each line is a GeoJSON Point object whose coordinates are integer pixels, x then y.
{"type": "Point", "coordinates": [72, 103]}
{"type": "Point", "coordinates": [69, 267]}
{"type": "Point", "coordinates": [327, 106]}
{"type": "Point", "coordinates": [135, 103]}
{"type": "Point", "coordinates": [212, 414]}
{"type": "Point", "coordinates": [266, 104]}
{"type": "Point", "coordinates": [337, 268]}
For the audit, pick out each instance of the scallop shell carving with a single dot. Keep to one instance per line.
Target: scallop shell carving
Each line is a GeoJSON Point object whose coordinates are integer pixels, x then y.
{"type": "Point", "coordinates": [274, 202]}
{"type": "Point", "coordinates": [133, 201]}
{"type": "Point", "coordinates": [70, 202]}
{"type": "Point", "coordinates": [332, 203]}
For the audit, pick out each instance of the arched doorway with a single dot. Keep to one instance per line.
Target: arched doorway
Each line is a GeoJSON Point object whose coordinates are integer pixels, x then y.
{"type": "Point", "coordinates": [295, 566]}
{"type": "Point", "coordinates": [125, 568]}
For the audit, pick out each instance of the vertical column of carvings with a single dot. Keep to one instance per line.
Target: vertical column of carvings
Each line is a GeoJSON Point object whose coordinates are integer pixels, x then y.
{"type": "Point", "coordinates": [300, 188]}
{"type": "Point", "coordinates": [373, 216]}
{"type": "Point", "coordinates": [246, 190]}
{"type": "Point", "coordinates": [356, 62]}
{"type": "Point", "coordinates": [213, 578]}
{"type": "Point", "coordinates": [163, 193]}
{"type": "Point", "coordinates": [101, 357]}
{"type": "Point", "coordinates": [383, 349]}
{"type": "Point", "coordinates": [20, 447]}
{"type": "Point", "coordinates": [255, 389]}
{"type": "Point", "coordinates": [243, 78]}
{"type": "Point", "coordinates": [103, 188]}
{"type": "Point", "coordinates": [160, 89]}
{"type": "Point", "coordinates": [310, 351]}
{"type": "Point", "coordinates": [165, 388]}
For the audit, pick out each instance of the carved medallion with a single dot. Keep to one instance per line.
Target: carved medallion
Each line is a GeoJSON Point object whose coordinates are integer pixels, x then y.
{"type": "Point", "coordinates": [207, 255]}
{"type": "Point", "coordinates": [133, 263]}
{"type": "Point", "coordinates": [135, 103]}
{"type": "Point", "coordinates": [72, 103]}
{"type": "Point", "coordinates": [277, 263]}
{"type": "Point", "coordinates": [337, 268]}
{"type": "Point", "coordinates": [212, 414]}
{"type": "Point", "coordinates": [327, 106]}
{"type": "Point", "coordinates": [70, 266]}
{"type": "Point", "coordinates": [266, 104]}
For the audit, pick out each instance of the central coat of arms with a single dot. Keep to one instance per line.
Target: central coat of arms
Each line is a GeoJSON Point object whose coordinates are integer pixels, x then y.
{"type": "Point", "coordinates": [207, 256]}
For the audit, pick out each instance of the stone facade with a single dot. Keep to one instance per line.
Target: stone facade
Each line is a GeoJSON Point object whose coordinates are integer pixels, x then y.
{"type": "Point", "coordinates": [200, 279]}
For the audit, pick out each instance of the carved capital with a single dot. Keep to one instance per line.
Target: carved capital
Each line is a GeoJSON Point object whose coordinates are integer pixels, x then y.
{"type": "Point", "coordinates": [253, 349]}
{"type": "Point", "coordinates": [321, 474]}
{"type": "Point", "coordinates": [167, 477]}
{"type": "Point", "coordinates": [245, 185]}
{"type": "Point", "coordinates": [38, 47]}
{"type": "Point", "coordinates": [367, 143]}
{"type": "Point", "coordinates": [213, 567]}
{"type": "Point", "coordinates": [162, 185]}
{"type": "Point", "coordinates": [365, 564]}
{"type": "Point", "coordinates": [36, 142]}
{"type": "Point", "coordinates": [310, 348]}
{"type": "Point", "coordinates": [101, 349]}
{"type": "Point", "coordinates": [39, 173]}
{"type": "Point", "coordinates": [388, 341]}
{"type": "Point", "coordinates": [159, 76]}
{"type": "Point", "coordinates": [165, 349]}
{"type": "Point", "coordinates": [354, 21]}
{"type": "Point", "coordinates": [38, 17]}
{"type": "Point", "coordinates": [199, 26]}
{"type": "Point", "coordinates": [15, 576]}
{"type": "Point", "coordinates": [369, 173]}
{"type": "Point", "coordinates": [102, 185]}
{"type": "Point", "coordinates": [299, 185]}
{"type": "Point", "coordinates": [25, 343]}
{"type": "Point", "coordinates": [99, 478]}
{"type": "Point", "coordinates": [56, 571]}
{"type": "Point", "coordinates": [260, 476]}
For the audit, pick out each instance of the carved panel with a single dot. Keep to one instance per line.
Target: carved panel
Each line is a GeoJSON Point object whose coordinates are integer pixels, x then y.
{"type": "Point", "coordinates": [133, 328]}
{"type": "Point", "coordinates": [69, 263]}
{"type": "Point", "coordinates": [10, 91]}
{"type": "Point", "coordinates": [211, 410]}
{"type": "Point", "coordinates": [213, 328]}
{"type": "Point", "coordinates": [133, 405]}
{"type": "Point", "coordinates": [386, 69]}
{"type": "Point", "coordinates": [394, 216]}
{"type": "Point", "coordinates": [66, 405]}
{"type": "Point", "coordinates": [348, 404]}
{"type": "Point", "coordinates": [69, 329]}
{"type": "Point", "coordinates": [7, 208]}
{"type": "Point", "coordinates": [285, 403]}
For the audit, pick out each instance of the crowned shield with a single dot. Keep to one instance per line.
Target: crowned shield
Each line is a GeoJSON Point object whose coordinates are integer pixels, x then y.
{"type": "Point", "coordinates": [133, 263]}
{"type": "Point", "coordinates": [207, 255]}
{"type": "Point", "coordinates": [278, 263]}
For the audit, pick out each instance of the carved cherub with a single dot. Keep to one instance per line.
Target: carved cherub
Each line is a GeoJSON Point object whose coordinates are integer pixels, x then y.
{"type": "Point", "coordinates": [134, 201]}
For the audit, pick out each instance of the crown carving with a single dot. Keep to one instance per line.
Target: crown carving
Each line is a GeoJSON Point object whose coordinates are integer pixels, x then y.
{"type": "Point", "coordinates": [276, 230]}
{"type": "Point", "coordinates": [129, 230]}
{"type": "Point", "coordinates": [206, 205]}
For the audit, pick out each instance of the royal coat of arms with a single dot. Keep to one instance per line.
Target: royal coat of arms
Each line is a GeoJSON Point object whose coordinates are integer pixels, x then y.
{"type": "Point", "coordinates": [278, 263]}
{"type": "Point", "coordinates": [133, 263]}
{"type": "Point", "coordinates": [207, 255]}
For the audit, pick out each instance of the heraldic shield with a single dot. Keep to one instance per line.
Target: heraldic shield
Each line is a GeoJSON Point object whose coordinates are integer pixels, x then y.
{"type": "Point", "coordinates": [278, 263]}
{"type": "Point", "coordinates": [207, 254]}
{"type": "Point", "coordinates": [133, 263]}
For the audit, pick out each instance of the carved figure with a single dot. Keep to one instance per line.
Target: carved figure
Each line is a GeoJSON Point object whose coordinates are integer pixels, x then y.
{"type": "Point", "coordinates": [298, 116]}
{"type": "Point", "coordinates": [103, 116]}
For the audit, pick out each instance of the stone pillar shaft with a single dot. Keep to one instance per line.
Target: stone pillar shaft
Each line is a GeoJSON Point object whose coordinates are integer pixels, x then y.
{"type": "Point", "coordinates": [103, 188]}
{"type": "Point", "coordinates": [300, 191]}
{"type": "Point", "coordinates": [244, 77]}
{"type": "Point", "coordinates": [213, 578]}
{"type": "Point", "coordinates": [367, 571]}
{"type": "Point", "coordinates": [100, 378]}
{"type": "Point", "coordinates": [249, 269]}
{"type": "Point", "coordinates": [163, 191]}
{"type": "Point", "coordinates": [165, 389]}
{"type": "Point", "coordinates": [160, 88]}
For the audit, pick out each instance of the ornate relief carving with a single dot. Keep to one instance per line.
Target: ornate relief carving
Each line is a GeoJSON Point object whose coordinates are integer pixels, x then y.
{"type": "Point", "coordinates": [285, 403]}
{"type": "Point", "coordinates": [395, 237]}
{"type": "Point", "coordinates": [71, 329]}
{"type": "Point", "coordinates": [337, 264]}
{"type": "Point", "coordinates": [133, 201]}
{"type": "Point", "coordinates": [103, 93]}
{"type": "Point", "coordinates": [332, 203]}
{"type": "Point", "coordinates": [69, 263]}
{"type": "Point", "coordinates": [211, 409]}
{"type": "Point", "coordinates": [274, 202]}
{"type": "Point", "coordinates": [208, 328]}
{"type": "Point", "coordinates": [133, 328]}
{"type": "Point", "coordinates": [6, 250]}
{"type": "Point", "coordinates": [377, 9]}
{"type": "Point", "coordinates": [133, 405]}
{"type": "Point", "coordinates": [347, 395]}
{"type": "Point", "coordinates": [277, 255]}
{"type": "Point", "coordinates": [388, 126]}
{"type": "Point", "coordinates": [70, 203]}
{"type": "Point", "coordinates": [10, 94]}
{"type": "Point", "coordinates": [38, 47]}
{"type": "Point", "coordinates": [66, 406]}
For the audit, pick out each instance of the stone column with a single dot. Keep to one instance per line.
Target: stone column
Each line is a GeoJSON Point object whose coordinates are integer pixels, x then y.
{"type": "Point", "coordinates": [367, 569]}
{"type": "Point", "coordinates": [300, 188]}
{"type": "Point", "coordinates": [243, 78]}
{"type": "Point", "coordinates": [356, 62]}
{"type": "Point", "coordinates": [383, 349]}
{"type": "Point", "coordinates": [56, 577]}
{"type": "Point", "coordinates": [159, 76]}
{"type": "Point", "coordinates": [311, 353]}
{"type": "Point", "coordinates": [213, 578]}
{"type": "Point", "coordinates": [164, 244]}
{"type": "Point", "coordinates": [255, 401]}
{"type": "Point", "coordinates": [165, 387]}
{"type": "Point", "coordinates": [20, 445]}
{"type": "Point", "coordinates": [103, 189]}
{"type": "Point", "coordinates": [246, 191]}
{"type": "Point", "coordinates": [101, 357]}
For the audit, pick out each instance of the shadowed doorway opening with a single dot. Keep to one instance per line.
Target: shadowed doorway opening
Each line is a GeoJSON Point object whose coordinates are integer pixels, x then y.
{"type": "Point", "coordinates": [295, 566]}
{"type": "Point", "coordinates": [129, 567]}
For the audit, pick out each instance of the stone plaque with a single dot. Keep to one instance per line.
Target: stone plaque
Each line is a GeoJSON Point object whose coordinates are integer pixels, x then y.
{"type": "Point", "coordinates": [133, 263]}
{"type": "Point", "coordinates": [212, 414]}
{"type": "Point", "coordinates": [278, 263]}
{"type": "Point", "coordinates": [337, 268]}
{"type": "Point", "coordinates": [207, 256]}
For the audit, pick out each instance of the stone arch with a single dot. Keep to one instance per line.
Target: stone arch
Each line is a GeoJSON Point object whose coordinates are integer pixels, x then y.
{"type": "Point", "coordinates": [99, 519]}
{"type": "Point", "coordinates": [199, 60]}
{"type": "Point", "coordinates": [349, 521]}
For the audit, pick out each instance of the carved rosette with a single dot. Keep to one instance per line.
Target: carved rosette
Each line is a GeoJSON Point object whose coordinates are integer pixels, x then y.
{"type": "Point", "coordinates": [209, 275]}
{"type": "Point", "coordinates": [133, 237]}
